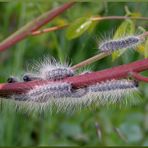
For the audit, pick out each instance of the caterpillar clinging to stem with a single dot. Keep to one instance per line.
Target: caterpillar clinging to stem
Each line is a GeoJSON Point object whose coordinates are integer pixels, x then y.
{"type": "Point", "coordinates": [126, 42]}
{"type": "Point", "coordinates": [63, 95]}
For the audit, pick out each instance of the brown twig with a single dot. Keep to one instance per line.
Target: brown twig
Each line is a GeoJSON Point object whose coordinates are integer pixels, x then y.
{"type": "Point", "coordinates": [38, 32]}
{"type": "Point", "coordinates": [33, 26]}
{"type": "Point", "coordinates": [97, 18]}
{"type": "Point", "coordinates": [79, 81]}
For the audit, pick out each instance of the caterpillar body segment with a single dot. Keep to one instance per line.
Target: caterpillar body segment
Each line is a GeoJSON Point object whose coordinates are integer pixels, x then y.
{"type": "Point", "coordinates": [125, 42]}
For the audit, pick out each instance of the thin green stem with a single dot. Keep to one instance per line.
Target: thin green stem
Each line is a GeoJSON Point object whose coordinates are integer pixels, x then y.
{"type": "Point", "coordinates": [90, 60]}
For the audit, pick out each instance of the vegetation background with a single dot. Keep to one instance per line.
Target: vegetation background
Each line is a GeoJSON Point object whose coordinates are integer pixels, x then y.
{"type": "Point", "coordinates": [101, 126]}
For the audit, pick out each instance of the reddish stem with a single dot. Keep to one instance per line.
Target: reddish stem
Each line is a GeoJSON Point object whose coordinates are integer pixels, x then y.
{"type": "Point", "coordinates": [108, 74]}
{"type": "Point", "coordinates": [34, 25]}
{"type": "Point", "coordinates": [139, 77]}
{"type": "Point", "coordinates": [78, 81]}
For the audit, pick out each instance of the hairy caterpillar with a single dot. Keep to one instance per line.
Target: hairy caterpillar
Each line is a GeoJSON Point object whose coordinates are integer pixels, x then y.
{"type": "Point", "coordinates": [113, 85]}
{"type": "Point", "coordinates": [125, 42]}
{"type": "Point", "coordinates": [59, 94]}
{"type": "Point", "coordinates": [113, 91]}
{"type": "Point", "coordinates": [56, 73]}
{"type": "Point", "coordinates": [49, 73]}
{"type": "Point", "coordinates": [49, 69]}
{"type": "Point", "coordinates": [62, 96]}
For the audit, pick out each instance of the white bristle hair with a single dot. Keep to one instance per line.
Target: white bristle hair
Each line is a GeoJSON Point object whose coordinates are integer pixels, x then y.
{"type": "Point", "coordinates": [59, 95]}
{"type": "Point", "coordinates": [39, 97]}
{"type": "Point", "coordinates": [113, 91]}
{"type": "Point", "coordinates": [63, 97]}
{"type": "Point", "coordinates": [50, 69]}
{"type": "Point", "coordinates": [122, 43]}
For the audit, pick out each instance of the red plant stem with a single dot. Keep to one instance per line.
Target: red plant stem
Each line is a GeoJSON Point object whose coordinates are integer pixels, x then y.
{"type": "Point", "coordinates": [78, 81]}
{"type": "Point", "coordinates": [33, 25]}
{"type": "Point", "coordinates": [139, 77]}
{"type": "Point", "coordinates": [108, 74]}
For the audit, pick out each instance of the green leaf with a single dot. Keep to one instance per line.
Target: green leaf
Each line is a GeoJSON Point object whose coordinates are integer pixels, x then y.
{"type": "Point", "coordinates": [141, 49]}
{"type": "Point", "coordinates": [92, 26]}
{"type": "Point", "coordinates": [126, 28]}
{"type": "Point", "coordinates": [78, 27]}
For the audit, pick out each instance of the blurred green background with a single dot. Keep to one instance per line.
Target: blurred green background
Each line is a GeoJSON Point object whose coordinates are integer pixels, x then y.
{"type": "Point", "coordinates": [115, 126]}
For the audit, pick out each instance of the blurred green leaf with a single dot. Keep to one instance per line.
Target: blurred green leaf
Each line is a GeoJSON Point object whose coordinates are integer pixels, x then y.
{"type": "Point", "coordinates": [60, 21]}
{"type": "Point", "coordinates": [133, 132]}
{"type": "Point", "coordinates": [77, 28]}
{"type": "Point", "coordinates": [70, 129]}
{"type": "Point", "coordinates": [142, 49]}
{"type": "Point", "coordinates": [126, 28]}
{"type": "Point", "coordinates": [92, 26]}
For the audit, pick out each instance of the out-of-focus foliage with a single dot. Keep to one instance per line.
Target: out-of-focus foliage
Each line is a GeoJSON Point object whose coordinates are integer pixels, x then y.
{"type": "Point", "coordinates": [119, 126]}
{"type": "Point", "coordinates": [78, 27]}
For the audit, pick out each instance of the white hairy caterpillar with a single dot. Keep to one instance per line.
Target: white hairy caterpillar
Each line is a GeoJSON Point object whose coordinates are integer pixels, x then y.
{"type": "Point", "coordinates": [41, 97]}
{"type": "Point", "coordinates": [56, 73]}
{"type": "Point", "coordinates": [114, 91]}
{"type": "Point", "coordinates": [49, 69]}
{"type": "Point", "coordinates": [125, 42]}
{"type": "Point", "coordinates": [52, 90]}
{"type": "Point", "coordinates": [63, 97]}
{"type": "Point", "coordinates": [113, 85]}
{"type": "Point", "coordinates": [56, 94]}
